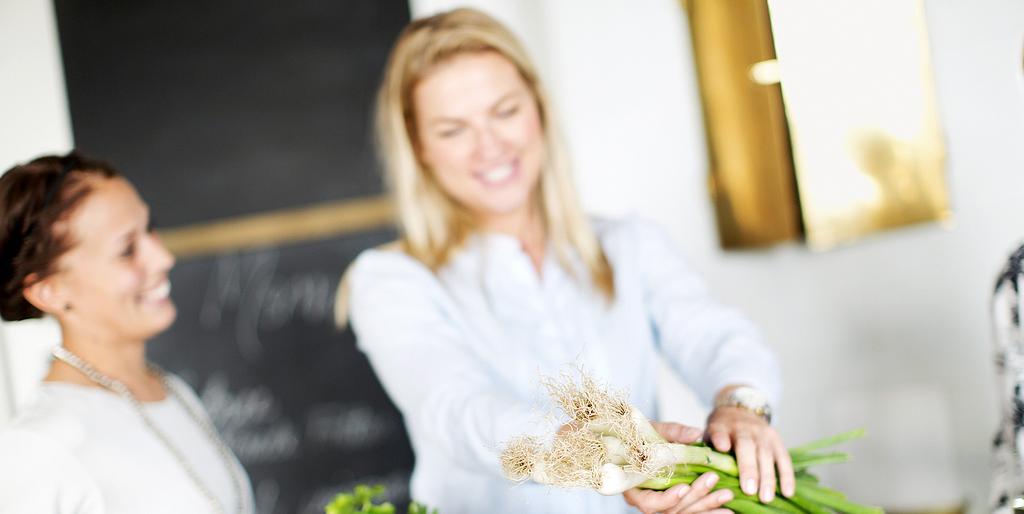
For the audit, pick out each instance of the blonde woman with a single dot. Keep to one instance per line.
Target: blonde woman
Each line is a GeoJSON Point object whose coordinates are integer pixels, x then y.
{"type": "Point", "coordinates": [499, 277]}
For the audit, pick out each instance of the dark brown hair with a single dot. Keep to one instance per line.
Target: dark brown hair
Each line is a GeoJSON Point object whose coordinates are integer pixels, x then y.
{"type": "Point", "coordinates": [33, 198]}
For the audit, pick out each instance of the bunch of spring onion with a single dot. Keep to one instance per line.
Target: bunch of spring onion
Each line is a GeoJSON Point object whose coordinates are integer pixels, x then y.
{"type": "Point", "coordinates": [608, 446]}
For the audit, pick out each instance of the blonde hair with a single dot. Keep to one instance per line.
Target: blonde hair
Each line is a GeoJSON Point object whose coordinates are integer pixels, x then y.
{"type": "Point", "coordinates": [432, 225]}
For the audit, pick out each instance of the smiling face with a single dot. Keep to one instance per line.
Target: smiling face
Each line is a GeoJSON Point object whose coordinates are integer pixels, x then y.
{"type": "Point", "coordinates": [480, 135]}
{"type": "Point", "coordinates": [115, 275]}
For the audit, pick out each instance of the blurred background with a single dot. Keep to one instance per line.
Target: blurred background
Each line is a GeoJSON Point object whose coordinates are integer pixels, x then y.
{"type": "Point", "coordinates": [217, 112]}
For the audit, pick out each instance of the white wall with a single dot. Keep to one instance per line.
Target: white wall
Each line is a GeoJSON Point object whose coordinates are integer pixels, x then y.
{"type": "Point", "coordinates": [32, 97]}
{"type": "Point", "coordinates": [34, 120]}
{"type": "Point", "coordinates": [890, 333]}
{"type": "Point", "coordinates": [523, 16]}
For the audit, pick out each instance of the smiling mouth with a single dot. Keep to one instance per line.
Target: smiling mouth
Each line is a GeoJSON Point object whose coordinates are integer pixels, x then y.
{"type": "Point", "coordinates": [158, 293]}
{"type": "Point", "coordinates": [499, 175]}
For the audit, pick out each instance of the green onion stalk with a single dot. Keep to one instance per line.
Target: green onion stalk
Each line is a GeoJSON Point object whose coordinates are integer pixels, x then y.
{"type": "Point", "coordinates": [608, 446]}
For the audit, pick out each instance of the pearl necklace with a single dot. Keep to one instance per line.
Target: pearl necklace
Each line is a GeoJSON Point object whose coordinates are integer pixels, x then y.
{"type": "Point", "coordinates": [117, 387]}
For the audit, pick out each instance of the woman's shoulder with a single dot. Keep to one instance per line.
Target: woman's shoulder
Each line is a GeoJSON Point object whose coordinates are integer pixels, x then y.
{"type": "Point", "coordinates": [386, 276]}
{"type": "Point", "coordinates": [48, 430]}
{"type": "Point", "coordinates": [41, 471]}
{"type": "Point", "coordinates": [54, 416]}
{"type": "Point", "coordinates": [387, 261]}
{"type": "Point", "coordinates": [21, 442]}
{"type": "Point", "coordinates": [627, 233]}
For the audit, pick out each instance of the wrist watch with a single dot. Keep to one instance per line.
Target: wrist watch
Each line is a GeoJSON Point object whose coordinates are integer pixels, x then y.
{"type": "Point", "coordinates": [747, 398]}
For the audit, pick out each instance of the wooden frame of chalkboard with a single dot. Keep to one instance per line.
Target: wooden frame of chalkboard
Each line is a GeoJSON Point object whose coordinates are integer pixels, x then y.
{"type": "Point", "coordinates": [245, 124]}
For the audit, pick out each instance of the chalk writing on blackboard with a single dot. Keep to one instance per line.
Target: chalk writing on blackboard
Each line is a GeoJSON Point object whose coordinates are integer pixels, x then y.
{"type": "Point", "coordinates": [246, 285]}
{"type": "Point", "coordinates": [348, 426]}
{"type": "Point", "coordinates": [250, 421]}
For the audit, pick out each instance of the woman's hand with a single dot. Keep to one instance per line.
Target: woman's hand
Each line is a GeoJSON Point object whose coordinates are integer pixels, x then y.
{"type": "Point", "coordinates": [681, 499]}
{"type": "Point", "coordinates": [758, 448]}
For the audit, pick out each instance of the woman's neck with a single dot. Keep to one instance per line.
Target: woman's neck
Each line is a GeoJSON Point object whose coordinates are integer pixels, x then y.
{"type": "Point", "coordinates": [528, 228]}
{"type": "Point", "coordinates": [124, 361]}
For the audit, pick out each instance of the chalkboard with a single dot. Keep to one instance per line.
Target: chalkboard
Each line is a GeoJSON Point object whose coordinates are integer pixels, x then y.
{"type": "Point", "coordinates": [236, 107]}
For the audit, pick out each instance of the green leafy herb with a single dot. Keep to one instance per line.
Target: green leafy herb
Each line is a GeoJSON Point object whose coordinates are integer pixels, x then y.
{"type": "Point", "coordinates": [361, 501]}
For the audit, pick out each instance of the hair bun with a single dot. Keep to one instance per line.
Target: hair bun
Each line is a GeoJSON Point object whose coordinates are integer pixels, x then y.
{"type": "Point", "coordinates": [33, 197]}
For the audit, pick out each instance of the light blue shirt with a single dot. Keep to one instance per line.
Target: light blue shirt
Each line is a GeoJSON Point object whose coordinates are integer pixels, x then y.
{"type": "Point", "coordinates": [461, 352]}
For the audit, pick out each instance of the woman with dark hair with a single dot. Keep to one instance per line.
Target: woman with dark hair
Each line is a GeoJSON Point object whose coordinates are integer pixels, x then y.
{"type": "Point", "coordinates": [108, 432]}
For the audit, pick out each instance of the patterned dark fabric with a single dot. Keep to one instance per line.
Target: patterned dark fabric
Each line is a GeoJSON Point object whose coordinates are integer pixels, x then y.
{"type": "Point", "coordinates": [1008, 444]}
